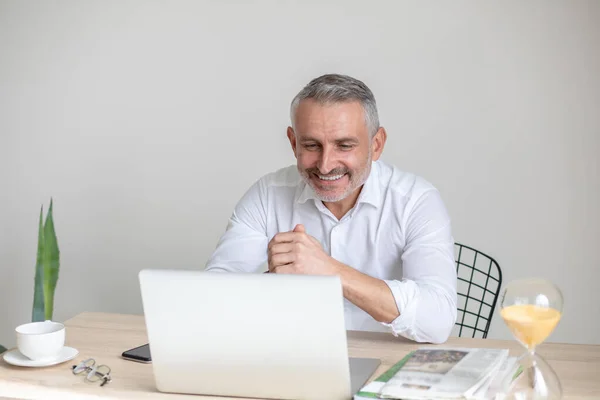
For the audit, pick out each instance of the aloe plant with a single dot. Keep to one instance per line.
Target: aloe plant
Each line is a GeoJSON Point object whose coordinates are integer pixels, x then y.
{"type": "Point", "coordinates": [46, 270]}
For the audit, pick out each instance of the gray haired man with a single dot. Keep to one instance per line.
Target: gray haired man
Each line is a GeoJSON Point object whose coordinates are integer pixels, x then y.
{"type": "Point", "coordinates": [342, 211]}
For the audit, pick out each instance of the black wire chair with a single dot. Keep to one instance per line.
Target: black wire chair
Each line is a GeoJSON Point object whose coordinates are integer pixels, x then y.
{"type": "Point", "coordinates": [479, 281]}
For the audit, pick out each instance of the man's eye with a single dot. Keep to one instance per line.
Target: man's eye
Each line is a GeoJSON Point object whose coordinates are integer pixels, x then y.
{"type": "Point", "coordinates": [346, 146]}
{"type": "Point", "coordinates": [310, 146]}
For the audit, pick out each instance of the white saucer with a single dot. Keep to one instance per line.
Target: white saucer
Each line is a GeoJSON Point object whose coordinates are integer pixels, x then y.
{"type": "Point", "coordinates": [15, 357]}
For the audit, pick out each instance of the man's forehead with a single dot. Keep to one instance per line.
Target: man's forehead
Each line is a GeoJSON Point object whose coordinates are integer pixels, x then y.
{"type": "Point", "coordinates": [338, 121]}
{"type": "Point", "coordinates": [343, 137]}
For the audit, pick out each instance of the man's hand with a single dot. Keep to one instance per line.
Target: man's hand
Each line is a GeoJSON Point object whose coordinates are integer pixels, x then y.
{"type": "Point", "coordinates": [296, 252]}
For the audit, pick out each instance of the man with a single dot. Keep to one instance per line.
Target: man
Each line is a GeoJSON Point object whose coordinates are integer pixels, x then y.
{"type": "Point", "coordinates": [340, 211]}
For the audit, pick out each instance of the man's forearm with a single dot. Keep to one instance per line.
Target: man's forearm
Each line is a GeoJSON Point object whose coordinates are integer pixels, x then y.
{"type": "Point", "coordinates": [370, 294]}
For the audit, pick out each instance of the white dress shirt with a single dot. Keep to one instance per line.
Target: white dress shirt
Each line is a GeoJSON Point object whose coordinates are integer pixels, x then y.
{"type": "Point", "coordinates": [398, 231]}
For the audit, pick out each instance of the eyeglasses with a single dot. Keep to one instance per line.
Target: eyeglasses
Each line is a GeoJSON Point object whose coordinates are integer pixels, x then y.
{"type": "Point", "coordinates": [95, 373]}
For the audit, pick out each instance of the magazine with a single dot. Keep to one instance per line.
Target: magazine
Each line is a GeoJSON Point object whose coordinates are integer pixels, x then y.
{"type": "Point", "coordinates": [443, 373]}
{"type": "Point", "coordinates": [493, 385]}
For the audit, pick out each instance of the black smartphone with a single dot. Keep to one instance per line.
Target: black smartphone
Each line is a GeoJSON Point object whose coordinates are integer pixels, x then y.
{"type": "Point", "coordinates": [139, 354]}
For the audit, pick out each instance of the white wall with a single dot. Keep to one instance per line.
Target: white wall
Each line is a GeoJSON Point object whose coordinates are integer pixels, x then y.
{"type": "Point", "coordinates": [146, 121]}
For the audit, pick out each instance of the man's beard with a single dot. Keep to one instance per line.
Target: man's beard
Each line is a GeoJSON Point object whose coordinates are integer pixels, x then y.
{"type": "Point", "coordinates": [356, 180]}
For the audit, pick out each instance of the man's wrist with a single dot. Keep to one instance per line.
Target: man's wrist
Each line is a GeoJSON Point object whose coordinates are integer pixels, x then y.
{"type": "Point", "coordinates": [340, 269]}
{"type": "Point", "coordinates": [335, 267]}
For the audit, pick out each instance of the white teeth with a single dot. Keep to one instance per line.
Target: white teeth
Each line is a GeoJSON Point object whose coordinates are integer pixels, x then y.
{"type": "Point", "coordinates": [331, 178]}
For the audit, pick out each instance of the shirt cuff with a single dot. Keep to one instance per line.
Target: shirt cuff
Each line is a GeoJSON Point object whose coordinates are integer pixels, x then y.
{"type": "Point", "coordinates": [406, 294]}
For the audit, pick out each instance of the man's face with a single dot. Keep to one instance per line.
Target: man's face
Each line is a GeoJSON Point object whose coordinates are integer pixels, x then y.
{"type": "Point", "coordinates": [333, 147]}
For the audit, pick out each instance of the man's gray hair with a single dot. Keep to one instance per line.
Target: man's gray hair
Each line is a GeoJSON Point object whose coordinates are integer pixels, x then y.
{"type": "Point", "coordinates": [334, 88]}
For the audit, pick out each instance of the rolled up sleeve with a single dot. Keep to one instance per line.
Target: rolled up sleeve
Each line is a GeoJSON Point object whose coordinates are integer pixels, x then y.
{"type": "Point", "coordinates": [426, 296]}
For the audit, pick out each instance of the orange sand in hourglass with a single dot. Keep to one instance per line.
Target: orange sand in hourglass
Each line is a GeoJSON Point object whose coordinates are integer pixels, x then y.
{"type": "Point", "coordinates": [530, 324]}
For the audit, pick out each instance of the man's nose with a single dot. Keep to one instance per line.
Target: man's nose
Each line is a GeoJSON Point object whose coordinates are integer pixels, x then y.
{"type": "Point", "coordinates": [326, 161]}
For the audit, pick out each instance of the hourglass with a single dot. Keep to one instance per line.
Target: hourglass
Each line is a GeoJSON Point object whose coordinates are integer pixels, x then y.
{"type": "Point", "coordinates": [531, 308]}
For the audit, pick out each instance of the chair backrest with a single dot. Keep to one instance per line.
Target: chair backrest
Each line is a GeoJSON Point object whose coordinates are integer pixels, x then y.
{"type": "Point", "coordinates": [479, 281]}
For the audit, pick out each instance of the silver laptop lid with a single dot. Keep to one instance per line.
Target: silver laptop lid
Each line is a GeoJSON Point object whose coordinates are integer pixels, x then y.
{"type": "Point", "coordinates": [250, 335]}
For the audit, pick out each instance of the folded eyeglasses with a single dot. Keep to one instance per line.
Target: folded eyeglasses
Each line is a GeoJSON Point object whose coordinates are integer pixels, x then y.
{"type": "Point", "coordinates": [94, 373]}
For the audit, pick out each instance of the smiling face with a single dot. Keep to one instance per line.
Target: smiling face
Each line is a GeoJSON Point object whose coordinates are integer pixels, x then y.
{"type": "Point", "coordinates": [333, 148]}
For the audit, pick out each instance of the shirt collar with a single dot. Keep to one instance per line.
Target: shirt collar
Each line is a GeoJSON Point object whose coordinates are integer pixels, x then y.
{"type": "Point", "coordinates": [370, 193]}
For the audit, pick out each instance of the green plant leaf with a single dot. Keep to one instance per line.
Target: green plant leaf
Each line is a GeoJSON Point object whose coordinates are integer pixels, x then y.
{"type": "Point", "coordinates": [51, 264]}
{"type": "Point", "coordinates": [38, 290]}
{"type": "Point", "coordinates": [2, 349]}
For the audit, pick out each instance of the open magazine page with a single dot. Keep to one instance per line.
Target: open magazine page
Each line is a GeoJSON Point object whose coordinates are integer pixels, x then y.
{"type": "Point", "coordinates": [443, 373]}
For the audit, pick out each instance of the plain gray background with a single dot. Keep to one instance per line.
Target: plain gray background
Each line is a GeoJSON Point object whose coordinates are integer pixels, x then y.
{"type": "Point", "coordinates": [147, 120]}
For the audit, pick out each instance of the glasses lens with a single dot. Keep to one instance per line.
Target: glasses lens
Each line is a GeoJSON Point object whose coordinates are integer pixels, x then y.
{"type": "Point", "coordinates": [84, 365]}
{"type": "Point", "coordinates": [98, 373]}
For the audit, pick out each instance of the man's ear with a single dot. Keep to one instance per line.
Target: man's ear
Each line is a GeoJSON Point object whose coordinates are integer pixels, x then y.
{"type": "Point", "coordinates": [292, 138]}
{"type": "Point", "coordinates": [378, 143]}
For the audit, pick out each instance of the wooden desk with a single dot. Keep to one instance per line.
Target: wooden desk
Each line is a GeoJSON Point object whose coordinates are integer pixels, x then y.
{"type": "Point", "coordinates": [105, 336]}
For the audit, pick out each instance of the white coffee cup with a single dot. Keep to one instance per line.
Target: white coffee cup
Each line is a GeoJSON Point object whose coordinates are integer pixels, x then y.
{"type": "Point", "coordinates": [40, 341]}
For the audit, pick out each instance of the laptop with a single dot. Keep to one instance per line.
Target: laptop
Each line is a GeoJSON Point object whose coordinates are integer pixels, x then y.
{"type": "Point", "coordinates": [265, 336]}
